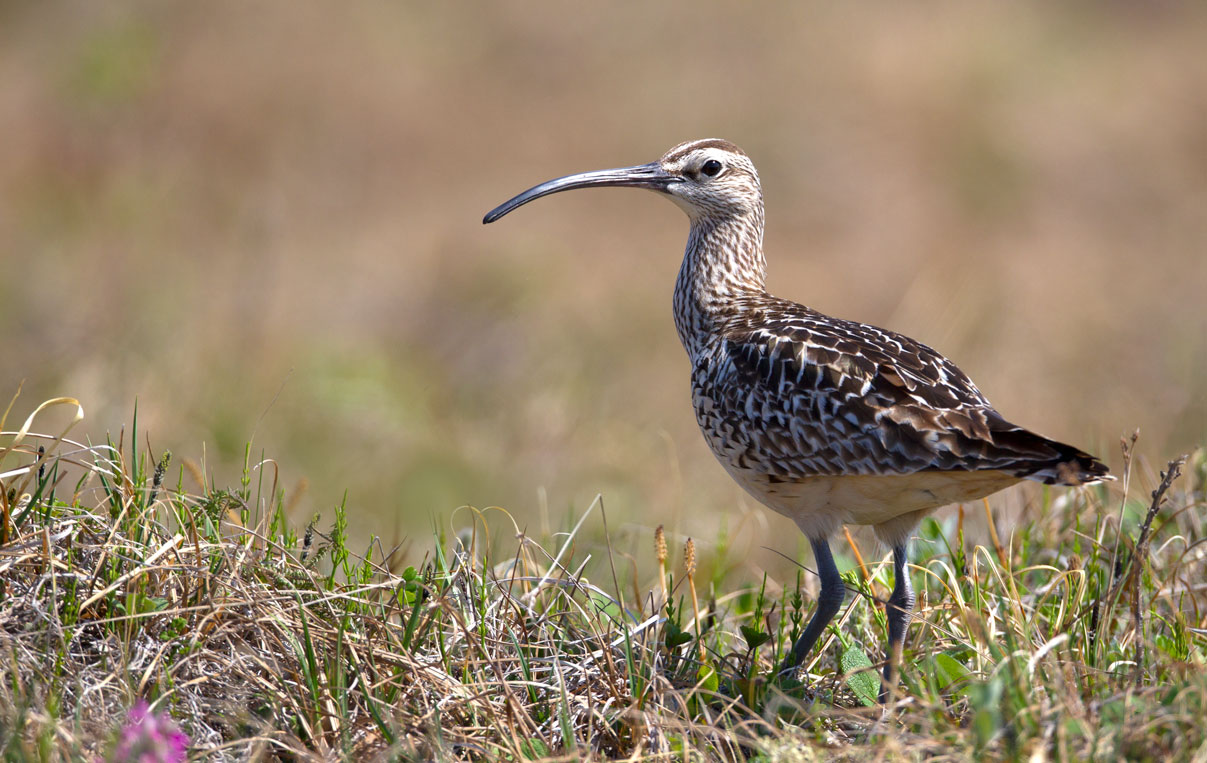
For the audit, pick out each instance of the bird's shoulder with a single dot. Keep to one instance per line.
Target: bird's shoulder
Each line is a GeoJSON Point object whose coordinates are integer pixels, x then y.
{"type": "Point", "coordinates": [787, 345]}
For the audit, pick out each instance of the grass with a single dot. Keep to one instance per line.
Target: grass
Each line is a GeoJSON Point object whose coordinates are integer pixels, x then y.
{"type": "Point", "coordinates": [1080, 635]}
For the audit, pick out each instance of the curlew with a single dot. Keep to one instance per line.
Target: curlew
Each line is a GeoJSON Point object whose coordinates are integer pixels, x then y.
{"type": "Point", "coordinates": [826, 421]}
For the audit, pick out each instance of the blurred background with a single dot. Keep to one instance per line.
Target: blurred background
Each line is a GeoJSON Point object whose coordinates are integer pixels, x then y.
{"type": "Point", "coordinates": [262, 222]}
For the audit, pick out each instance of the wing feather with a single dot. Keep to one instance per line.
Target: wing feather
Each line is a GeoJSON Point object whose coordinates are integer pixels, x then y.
{"type": "Point", "coordinates": [797, 393]}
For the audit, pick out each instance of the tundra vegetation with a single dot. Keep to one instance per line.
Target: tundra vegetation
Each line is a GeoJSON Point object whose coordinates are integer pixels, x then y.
{"type": "Point", "coordinates": [132, 579]}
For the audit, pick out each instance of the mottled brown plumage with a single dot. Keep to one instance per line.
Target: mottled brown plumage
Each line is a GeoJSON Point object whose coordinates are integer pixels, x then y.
{"type": "Point", "coordinates": [824, 420]}
{"type": "Point", "coordinates": [787, 396]}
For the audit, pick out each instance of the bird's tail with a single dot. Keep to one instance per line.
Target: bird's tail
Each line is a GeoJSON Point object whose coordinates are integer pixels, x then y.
{"type": "Point", "coordinates": [1061, 464]}
{"type": "Point", "coordinates": [1072, 467]}
{"type": "Point", "coordinates": [1035, 457]}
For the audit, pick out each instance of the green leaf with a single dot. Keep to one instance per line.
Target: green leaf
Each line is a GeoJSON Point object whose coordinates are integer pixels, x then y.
{"type": "Point", "coordinates": [676, 637]}
{"type": "Point", "coordinates": [678, 640]}
{"type": "Point", "coordinates": [985, 699]}
{"type": "Point", "coordinates": [948, 670]}
{"type": "Point", "coordinates": [534, 749]}
{"type": "Point", "coordinates": [1177, 648]}
{"type": "Point", "coordinates": [754, 637]}
{"type": "Point", "coordinates": [605, 606]}
{"type": "Point", "coordinates": [706, 676]}
{"type": "Point", "coordinates": [140, 604]}
{"type": "Point", "coordinates": [865, 683]}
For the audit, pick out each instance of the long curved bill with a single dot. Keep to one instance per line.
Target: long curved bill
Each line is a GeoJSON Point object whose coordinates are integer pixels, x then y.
{"type": "Point", "coordinates": [650, 176]}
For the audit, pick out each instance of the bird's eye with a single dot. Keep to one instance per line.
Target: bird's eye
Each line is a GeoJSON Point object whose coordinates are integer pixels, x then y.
{"type": "Point", "coordinates": [711, 168]}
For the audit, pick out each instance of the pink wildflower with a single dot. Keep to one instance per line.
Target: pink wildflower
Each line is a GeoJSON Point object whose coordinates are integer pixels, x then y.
{"type": "Point", "coordinates": [149, 738]}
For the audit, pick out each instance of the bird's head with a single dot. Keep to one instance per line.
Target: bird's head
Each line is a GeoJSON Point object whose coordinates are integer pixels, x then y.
{"type": "Point", "coordinates": [709, 179]}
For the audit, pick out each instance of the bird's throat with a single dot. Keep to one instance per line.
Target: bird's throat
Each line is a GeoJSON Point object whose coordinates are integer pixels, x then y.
{"type": "Point", "coordinates": [723, 262]}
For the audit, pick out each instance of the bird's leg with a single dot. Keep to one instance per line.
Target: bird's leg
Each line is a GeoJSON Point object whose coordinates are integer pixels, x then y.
{"type": "Point", "coordinates": [829, 600]}
{"type": "Point", "coordinates": [897, 613]}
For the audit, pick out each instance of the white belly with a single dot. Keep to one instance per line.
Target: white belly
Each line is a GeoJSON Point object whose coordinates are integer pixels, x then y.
{"type": "Point", "coordinates": [893, 504]}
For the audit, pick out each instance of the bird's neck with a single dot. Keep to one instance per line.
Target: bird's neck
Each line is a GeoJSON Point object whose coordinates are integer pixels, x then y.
{"type": "Point", "coordinates": [723, 263]}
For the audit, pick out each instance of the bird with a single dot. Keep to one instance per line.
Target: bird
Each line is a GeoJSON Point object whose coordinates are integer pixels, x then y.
{"type": "Point", "coordinates": [829, 422]}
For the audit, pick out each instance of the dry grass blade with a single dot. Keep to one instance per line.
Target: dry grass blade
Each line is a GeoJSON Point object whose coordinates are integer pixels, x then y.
{"type": "Point", "coordinates": [28, 471]}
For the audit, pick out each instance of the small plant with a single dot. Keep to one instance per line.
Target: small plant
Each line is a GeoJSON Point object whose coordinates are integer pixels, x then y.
{"type": "Point", "coordinates": [148, 737]}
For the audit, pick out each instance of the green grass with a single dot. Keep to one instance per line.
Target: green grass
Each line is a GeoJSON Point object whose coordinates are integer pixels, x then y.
{"type": "Point", "coordinates": [1082, 636]}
